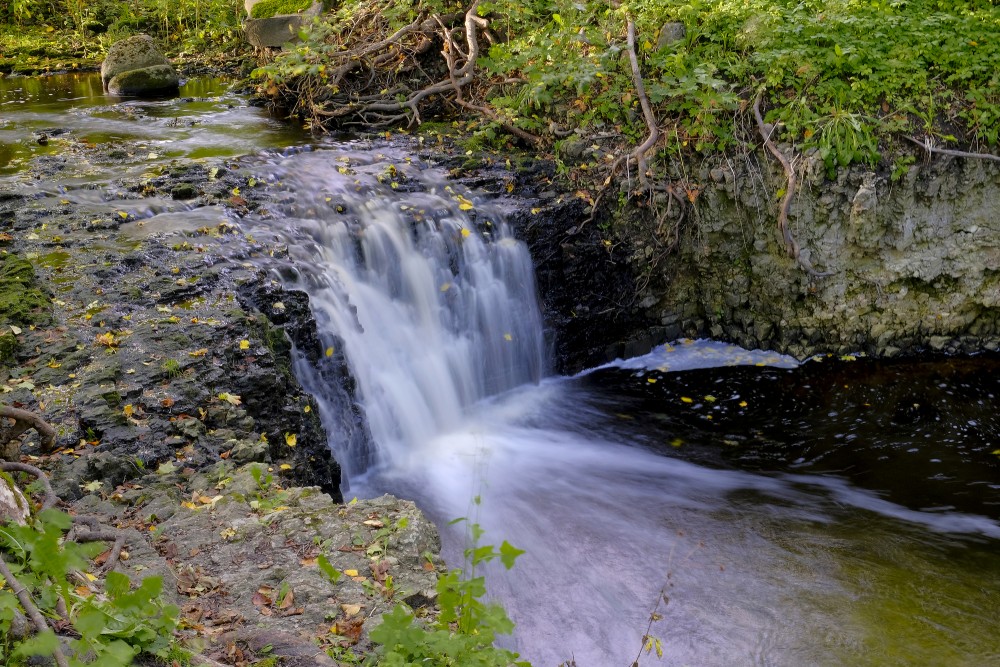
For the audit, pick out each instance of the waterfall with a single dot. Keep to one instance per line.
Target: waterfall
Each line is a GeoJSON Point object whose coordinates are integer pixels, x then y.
{"type": "Point", "coordinates": [425, 294]}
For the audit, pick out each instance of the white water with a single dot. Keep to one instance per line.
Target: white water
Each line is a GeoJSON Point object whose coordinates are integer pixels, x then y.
{"type": "Point", "coordinates": [443, 336]}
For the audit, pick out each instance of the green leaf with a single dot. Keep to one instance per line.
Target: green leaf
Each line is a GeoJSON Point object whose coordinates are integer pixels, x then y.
{"type": "Point", "coordinates": [508, 554]}
{"type": "Point", "coordinates": [332, 573]}
{"type": "Point", "coordinates": [42, 644]}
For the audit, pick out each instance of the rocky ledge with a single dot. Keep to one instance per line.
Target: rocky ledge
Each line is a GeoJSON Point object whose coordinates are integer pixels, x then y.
{"type": "Point", "coordinates": [162, 353]}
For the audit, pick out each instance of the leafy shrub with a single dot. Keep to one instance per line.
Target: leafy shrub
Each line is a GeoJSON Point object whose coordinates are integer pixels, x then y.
{"type": "Point", "coordinates": [268, 8]}
{"type": "Point", "coordinates": [114, 622]}
{"type": "Point", "coordinates": [464, 632]}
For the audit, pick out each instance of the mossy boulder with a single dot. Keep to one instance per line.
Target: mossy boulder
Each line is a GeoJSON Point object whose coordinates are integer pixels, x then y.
{"type": "Point", "coordinates": [138, 53]}
{"type": "Point", "coordinates": [156, 80]}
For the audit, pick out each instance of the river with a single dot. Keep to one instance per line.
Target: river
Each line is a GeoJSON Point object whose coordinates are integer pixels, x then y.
{"type": "Point", "coordinates": [835, 511]}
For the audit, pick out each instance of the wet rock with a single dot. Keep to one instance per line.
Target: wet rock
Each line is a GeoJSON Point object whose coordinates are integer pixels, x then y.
{"type": "Point", "coordinates": [184, 191]}
{"type": "Point", "coordinates": [246, 451]}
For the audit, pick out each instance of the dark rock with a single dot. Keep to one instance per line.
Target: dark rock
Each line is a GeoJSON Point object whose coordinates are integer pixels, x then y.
{"type": "Point", "coordinates": [184, 191]}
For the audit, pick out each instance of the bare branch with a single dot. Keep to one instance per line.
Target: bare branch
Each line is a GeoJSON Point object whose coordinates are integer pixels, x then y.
{"type": "Point", "coordinates": [24, 597]}
{"type": "Point", "coordinates": [930, 148]}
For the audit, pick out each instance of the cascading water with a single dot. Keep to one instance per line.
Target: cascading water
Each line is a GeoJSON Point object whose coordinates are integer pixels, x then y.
{"type": "Point", "coordinates": [435, 308]}
{"type": "Point", "coordinates": [424, 298]}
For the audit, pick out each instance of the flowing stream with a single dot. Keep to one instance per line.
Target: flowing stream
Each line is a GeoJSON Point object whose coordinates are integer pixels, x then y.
{"type": "Point", "coordinates": [825, 513]}
{"type": "Point", "coordinates": [832, 512]}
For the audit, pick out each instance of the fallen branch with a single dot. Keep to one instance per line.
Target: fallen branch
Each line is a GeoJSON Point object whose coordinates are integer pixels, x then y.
{"type": "Point", "coordinates": [791, 245]}
{"type": "Point", "coordinates": [930, 148]}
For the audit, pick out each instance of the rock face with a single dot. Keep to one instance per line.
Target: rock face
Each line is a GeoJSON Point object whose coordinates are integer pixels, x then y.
{"type": "Point", "coordinates": [915, 262]}
{"type": "Point", "coordinates": [136, 67]}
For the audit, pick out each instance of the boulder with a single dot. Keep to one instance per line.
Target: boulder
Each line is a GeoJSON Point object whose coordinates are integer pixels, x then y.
{"type": "Point", "coordinates": [669, 33]}
{"type": "Point", "coordinates": [138, 53]}
{"type": "Point", "coordinates": [156, 80]}
{"type": "Point", "coordinates": [277, 30]}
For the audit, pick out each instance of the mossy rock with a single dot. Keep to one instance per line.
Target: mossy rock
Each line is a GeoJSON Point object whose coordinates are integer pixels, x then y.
{"type": "Point", "coordinates": [156, 80]}
{"type": "Point", "coordinates": [265, 9]}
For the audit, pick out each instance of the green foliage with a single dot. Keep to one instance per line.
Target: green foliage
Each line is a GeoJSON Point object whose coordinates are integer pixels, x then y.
{"type": "Point", "coordinates": [179, 24]}
{"type": "Point", "coordinates": [113, 626]}
{"type": "Point", "coordinates": [466, 628]}
{"type": "Point", "coordinates": [268, 8]}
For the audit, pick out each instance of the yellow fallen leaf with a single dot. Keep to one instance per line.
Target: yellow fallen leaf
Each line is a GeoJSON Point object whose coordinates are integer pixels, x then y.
{"type": "Point", "coordinates": [445, 287]}
{"type": "Point", "coordinates": [199, 353]}
{"type": "Point", "coordinates": [685, 399]}
{"type": "Point", "coordinates": [651, 380]}
{"type": "Point", "coordinates": [89, 576]}
{"type": "Point", "coordinates": [232, 399]}
{"type": "Point", "coordinates": [128, 410]}
{"type": "Point", "coordinates": [710, 398]}
{"type": "Point", "coordinates": [123, 215]}
{"type": "Point", "coordinates": [290, 439]}
{"type": "Point", "coordinates": [507, 337]}
{"type": "Point", "coordinates": [743, 404]}
{"type": "Point", "coordinates": [244, 344]}
{"type": "Point", "coordinates": [188, 504]}
{"type": "Point", "coordinates": [351, 609]}
{"type": "Point", "coordinates": [307, 409]}
{"type": "Point", "coordinates": [465, 233]}
{"type": "Point", "coordinates": [329, 351]}
{"type": "Point", "coordinates": [285, 466]}
{"type": "Point", "coordinates": [351, 573]}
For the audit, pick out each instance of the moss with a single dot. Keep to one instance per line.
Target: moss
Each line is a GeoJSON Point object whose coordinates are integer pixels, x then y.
{"type": "Point", "coordinates": [21, 299]}
{"type": "Point", "coordinates": [268, 8]}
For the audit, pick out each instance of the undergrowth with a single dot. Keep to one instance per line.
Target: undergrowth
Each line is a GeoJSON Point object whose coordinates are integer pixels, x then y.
{"type": "Point", "coordinates": [841, 76]}
{"type": "Point", "coordinates": [112, 621]}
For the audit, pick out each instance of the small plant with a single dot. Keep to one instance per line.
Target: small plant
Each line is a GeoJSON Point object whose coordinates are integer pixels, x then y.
{"type": "Point", "coordinates": [172, 368]}
{"type": "Point", "coordinates": [112, 626]}
{"type": "Point", "coordinates": [466, 628]}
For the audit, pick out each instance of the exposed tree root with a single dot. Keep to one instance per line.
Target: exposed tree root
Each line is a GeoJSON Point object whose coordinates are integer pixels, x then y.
{"type": "Point", "coordinates": [23, 420]}
{"type": "Point", "coordinates": [50, 497]}
{"type": "Point", "coordinates": [791, 245]}
{"type": "Point", "coordinates": [639, 154]}
{"type": "Point", "coordinates": [931, 148]}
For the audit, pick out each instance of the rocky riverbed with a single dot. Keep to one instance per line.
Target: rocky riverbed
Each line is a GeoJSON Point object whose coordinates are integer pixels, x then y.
{"type": "Point", "coordinates": [140, 321]}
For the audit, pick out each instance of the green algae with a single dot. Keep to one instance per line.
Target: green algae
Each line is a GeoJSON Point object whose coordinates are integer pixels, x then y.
{"type": "Point", "coordinates": [22, 301]}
